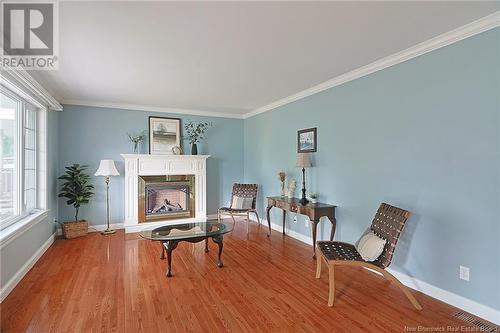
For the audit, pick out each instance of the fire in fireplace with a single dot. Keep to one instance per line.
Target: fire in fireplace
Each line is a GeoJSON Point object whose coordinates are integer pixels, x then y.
{"type": "Point", "coordinates": [166, 197]}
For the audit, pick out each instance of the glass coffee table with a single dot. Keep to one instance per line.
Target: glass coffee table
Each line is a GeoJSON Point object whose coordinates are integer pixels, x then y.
{"type": "Point", "coordinates": [171, 235]}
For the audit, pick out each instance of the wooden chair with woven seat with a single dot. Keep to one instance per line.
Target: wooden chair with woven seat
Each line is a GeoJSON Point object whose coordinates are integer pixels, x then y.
{"type": "Point", "coordinates": [387, 224]}
{"type": "Point", "coordinates": [245, 191]}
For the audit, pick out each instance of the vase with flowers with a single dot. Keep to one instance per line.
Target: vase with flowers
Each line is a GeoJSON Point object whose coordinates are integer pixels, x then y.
{"type": "Point", "coordinates": [136, 139]}
{"type": "Point", "coordinates": [282, 178]}
{"type": "Point", "coordinates": [194, 133]}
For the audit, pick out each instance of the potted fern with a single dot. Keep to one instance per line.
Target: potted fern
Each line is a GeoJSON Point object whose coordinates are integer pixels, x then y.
{"type": "Point", "coordinates": [77, 189]}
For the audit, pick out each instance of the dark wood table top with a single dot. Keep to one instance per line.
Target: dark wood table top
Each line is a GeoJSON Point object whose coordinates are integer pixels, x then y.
{"type": "Point", "coordinates": [296, 201]}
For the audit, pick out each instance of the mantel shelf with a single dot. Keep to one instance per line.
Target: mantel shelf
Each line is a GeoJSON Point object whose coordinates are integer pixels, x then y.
{"type": "Point", "coordinates": [164, 156]}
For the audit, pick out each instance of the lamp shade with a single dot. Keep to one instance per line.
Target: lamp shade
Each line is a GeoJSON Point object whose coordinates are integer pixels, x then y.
{"type": "Point", "coordinates": [303, 160]}
{"type": "Point", "coordinates": [107, 168]}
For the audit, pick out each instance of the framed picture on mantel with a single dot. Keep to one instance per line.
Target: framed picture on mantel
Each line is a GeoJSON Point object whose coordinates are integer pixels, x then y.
{"type": "Point", "coordinates": [164, 135]}
{"type": "Point", "coordinates": [307, 140]}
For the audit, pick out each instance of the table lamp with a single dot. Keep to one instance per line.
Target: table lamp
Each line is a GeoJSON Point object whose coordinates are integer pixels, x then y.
{"type": "Point", "coordinates": [303, 161]}
{"type": "Point", "coordinates": [107, 168]}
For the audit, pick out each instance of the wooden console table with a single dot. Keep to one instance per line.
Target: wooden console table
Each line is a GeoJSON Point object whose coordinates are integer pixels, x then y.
{"type": "Point", "coordinates": [313, 210]}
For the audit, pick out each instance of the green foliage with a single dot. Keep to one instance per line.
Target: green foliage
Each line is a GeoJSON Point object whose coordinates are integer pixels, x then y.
{"type": "Point", "coordinates": [76, 187]}
{"type": "Point", "coordinates": [195, 132]}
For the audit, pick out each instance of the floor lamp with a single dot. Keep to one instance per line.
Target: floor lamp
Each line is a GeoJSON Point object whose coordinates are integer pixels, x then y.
{"type": "Point", "coordinates": [107, 168]}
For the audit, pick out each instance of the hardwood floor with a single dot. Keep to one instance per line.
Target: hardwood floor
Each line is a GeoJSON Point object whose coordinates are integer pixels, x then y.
{"type": "Point", "coordinates": [117, 283]}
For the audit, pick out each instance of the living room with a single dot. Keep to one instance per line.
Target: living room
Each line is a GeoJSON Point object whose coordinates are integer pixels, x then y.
{"type": "Point", "coordinates": [249, 166]}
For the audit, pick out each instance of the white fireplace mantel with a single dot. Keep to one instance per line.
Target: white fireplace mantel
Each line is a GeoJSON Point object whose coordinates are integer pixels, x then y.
{"type": "Point", "coordinates": [158, 165]}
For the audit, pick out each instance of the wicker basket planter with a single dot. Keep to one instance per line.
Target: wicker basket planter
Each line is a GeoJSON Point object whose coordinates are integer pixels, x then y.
{"type": "Point", "coordinates": [75, 229]}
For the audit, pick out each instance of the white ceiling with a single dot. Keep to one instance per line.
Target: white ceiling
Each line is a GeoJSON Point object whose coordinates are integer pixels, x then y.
{"type": "Point", "coordinates": [231, 57]}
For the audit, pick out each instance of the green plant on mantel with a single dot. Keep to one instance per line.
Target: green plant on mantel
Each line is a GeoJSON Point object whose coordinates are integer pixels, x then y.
{"type": "Point", "coordinates": [195, 132]}
{"type": "Point", "coordinates": [76, 187]}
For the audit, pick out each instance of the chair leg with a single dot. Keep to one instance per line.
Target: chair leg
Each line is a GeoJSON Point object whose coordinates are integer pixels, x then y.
{"type": "Point", "coordinates": [257, 216]}
{"type": "Point", "coordinates": [405, 289]}
{"type": "Point", "coordinates": [218, 215]}
{"type": "Point", "coordinates": [319, 258]}
{"type": "Point", "coordinates": [248, 222]}
{"type": "Point", "coordinates": [331, 280]}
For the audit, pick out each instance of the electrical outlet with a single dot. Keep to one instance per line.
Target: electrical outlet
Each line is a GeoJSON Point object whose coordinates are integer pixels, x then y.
{"type": "Point", "coordinates": [295, 219]}
{"type": "Point", "coordinates": [464, 273]}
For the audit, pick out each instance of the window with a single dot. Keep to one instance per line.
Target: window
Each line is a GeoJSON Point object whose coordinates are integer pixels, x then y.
{"type": "Point", "coordinates": [21, 149]}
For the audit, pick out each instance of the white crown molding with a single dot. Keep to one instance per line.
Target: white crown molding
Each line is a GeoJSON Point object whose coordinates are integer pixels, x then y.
{"type": "Point", "coordinates": [135, 107]}
{"type": "Point", "coordinates": [483, 24]}
{"type": "Point", "coordinates": [21, 81]}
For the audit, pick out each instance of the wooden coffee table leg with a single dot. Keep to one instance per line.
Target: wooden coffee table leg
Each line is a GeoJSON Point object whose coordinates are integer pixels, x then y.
{"type": "Point", "coordinates": [220, 241]}
{"type": "Point", "coordinates": [169, 246]}
{"type": "Point", "coordinates": [162, 257]}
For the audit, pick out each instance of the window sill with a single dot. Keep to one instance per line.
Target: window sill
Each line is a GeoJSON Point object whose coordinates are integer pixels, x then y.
{"type": "Point", "coordinates": [12, 232]}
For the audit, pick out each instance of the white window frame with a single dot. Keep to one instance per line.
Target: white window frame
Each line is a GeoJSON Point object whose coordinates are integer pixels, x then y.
{"type": "Point", "coordinates": [26, 218]}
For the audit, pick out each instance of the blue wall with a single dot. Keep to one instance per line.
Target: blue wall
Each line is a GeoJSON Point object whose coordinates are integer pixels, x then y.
{"type": "Point", "coordinates": [422, 135]}
{"type": "Point", "coordinates": [89, 134]}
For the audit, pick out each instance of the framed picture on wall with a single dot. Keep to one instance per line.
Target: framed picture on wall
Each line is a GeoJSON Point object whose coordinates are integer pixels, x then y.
{"type": "Point", "coordinates": [307, 140]}
{"type": "Point", "coordinates": [164, 135]}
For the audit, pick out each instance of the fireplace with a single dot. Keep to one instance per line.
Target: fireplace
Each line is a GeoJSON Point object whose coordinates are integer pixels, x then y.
{"type": "Point", "coordinates": [166, 197]}
{"type": "Point", "coordinates": [163, 169]}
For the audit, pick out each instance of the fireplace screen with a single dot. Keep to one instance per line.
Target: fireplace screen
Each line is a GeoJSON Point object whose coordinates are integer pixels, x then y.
{"type": "Point", "coordinates": [166, 197]}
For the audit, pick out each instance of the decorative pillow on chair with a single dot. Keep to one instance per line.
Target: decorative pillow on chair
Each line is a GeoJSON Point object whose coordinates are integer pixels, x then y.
{"type": "Point", "coordinates": [366, 232]}
{"type": "Point", "coordinates": [370, 246]}
{"type": "Point", "coordinates": [241, 203]}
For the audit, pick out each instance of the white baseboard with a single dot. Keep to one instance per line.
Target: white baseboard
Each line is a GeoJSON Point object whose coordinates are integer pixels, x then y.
{"type": "Point", "coordinates": [10, 285]}
{"type": "Point", "coordinates": [102, 227]}
{"type": "Point", "coordinates": [448, 297]}
{"type": "Point", "coordinates": [288, 232]}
